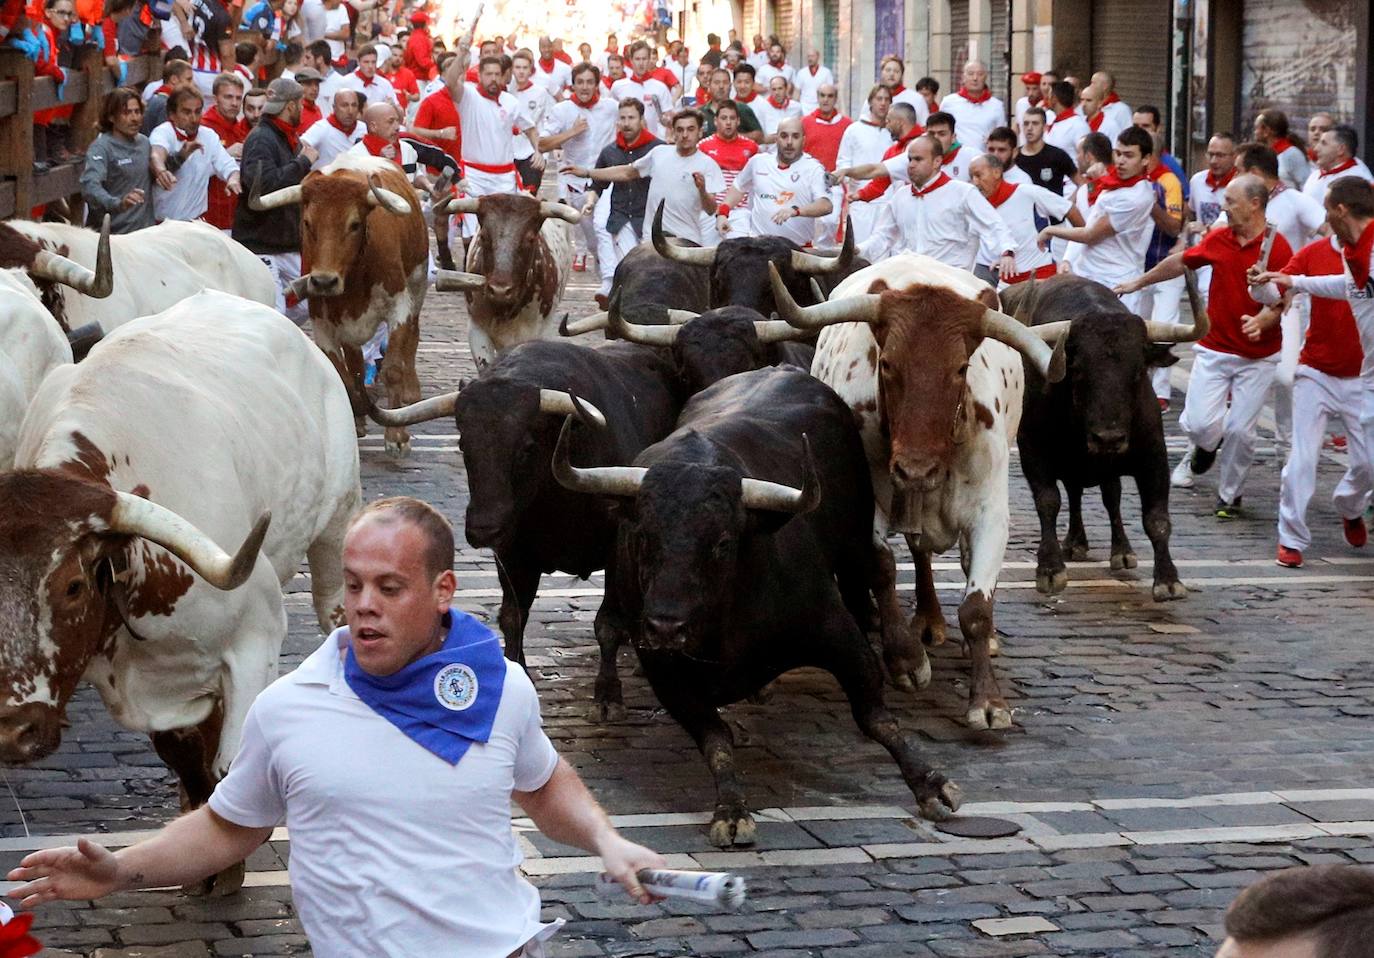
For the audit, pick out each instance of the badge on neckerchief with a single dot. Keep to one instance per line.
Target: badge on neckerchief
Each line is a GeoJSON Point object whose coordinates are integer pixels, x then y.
{"type": "Point", "coordinates": [446, 700]}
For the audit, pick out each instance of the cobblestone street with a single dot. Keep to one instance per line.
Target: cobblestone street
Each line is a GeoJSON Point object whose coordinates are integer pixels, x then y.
{"type": "Point", "coordinates": [1163, 755]}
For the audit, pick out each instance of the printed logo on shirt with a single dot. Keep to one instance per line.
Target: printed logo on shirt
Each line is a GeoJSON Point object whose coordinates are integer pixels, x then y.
{"type": "Point", "coordinates": [1354, 292]}
{"type": "Point", "coordinates": [1046, 174]}
{"type": "Point", "coordinates": [455, 687]}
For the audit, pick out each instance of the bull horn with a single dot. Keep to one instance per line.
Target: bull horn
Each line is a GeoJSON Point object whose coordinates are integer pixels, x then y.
{"type": "Point", "coordinates": [435, 407]}
{"type": "Point", "coordinates": [851, 309]}
{"type": "Point", "coordinates": [777, 497]}
{"type": "Point", "coordinates": [460, 204]}
{"type": "Point", "coordinates": [587, 324]}
{"type": "Point", "coordinates": [778, 331]}
{"type": "Point", "coordinates": [136, 516]}
{"type": "Point", "coordinates": [388, 200]}
{"type": "Point", "coordinates": [816, 290]}
{"type": "Point", "coordinates": [53, 266]}
{"type": "Point", "coordinates": [560, 211]}
{"type": "Point", "coordinates": [83, 339]}
{"type": "Point", "coordinates": [1168, 333]}
{"type": "Point", "coordinates": [286, 196]}
{"type": "Point", "coordinates": [812, 264]}
{"type": "Point", "coordinates": [635, 333]}
{"type": "Point", "coordinates": [1004, 329]}
{"type": "Point", "coordinates": [694, 255]}
{"type": "Point", "coordinates": [599, 481]}
{"type": "Point", "coordinates": [558, 402]}
{"type": "Point", "coordinates": [457, 281]}
{"type": "Point", "coordinates": [299, 287]}
{"type": "Point", "coordinates": [1052, 332]}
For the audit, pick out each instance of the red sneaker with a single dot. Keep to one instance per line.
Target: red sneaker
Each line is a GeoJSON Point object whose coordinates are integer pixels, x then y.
{"type": "Point", "coordinates": [580, 263]}
{"type": "Point", "coordinates": [1163, 403]}
{"type": "Point", "coordinates": [1338, 443]}
{"type": "Point", "coordinates": [1355, 532]}
{"type": "Point", "coordinates": [1289, 558]}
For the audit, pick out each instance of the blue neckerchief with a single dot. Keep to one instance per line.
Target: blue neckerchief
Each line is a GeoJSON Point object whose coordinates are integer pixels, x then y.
{"type": "Point", "coordinates": [446, 700]}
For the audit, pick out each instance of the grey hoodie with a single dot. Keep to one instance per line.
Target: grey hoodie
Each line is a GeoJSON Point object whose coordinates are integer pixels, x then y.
{"type": "Point", "coordinates": [114, 166]}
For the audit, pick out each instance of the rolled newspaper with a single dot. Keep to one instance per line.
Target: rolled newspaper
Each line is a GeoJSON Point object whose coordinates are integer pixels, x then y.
{"type": "Point", "coordinates": [721, 888]}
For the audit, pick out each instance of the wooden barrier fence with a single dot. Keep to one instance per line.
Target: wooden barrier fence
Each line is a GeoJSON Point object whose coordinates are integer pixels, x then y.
{"type": "Point", "coordinates": [21, 95]}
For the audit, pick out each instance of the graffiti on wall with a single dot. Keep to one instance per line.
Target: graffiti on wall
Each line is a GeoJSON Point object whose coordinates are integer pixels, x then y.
{"type": "Point", "coordinates": [1300, 58]}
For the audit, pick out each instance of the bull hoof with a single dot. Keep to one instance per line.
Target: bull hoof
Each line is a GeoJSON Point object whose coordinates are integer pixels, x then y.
{"type": "Point", "coordinates": [1123, 560]}
{"type": "Point", "coordinates": [732, 828]}
{"type": "Point", "coordinates": [929, 628]}
{"type": "Point", "coordinates": [227, 882]}
{"type": "Point", "coordinates": [398, 450]}
{"type": "Point", "coordinates": [908, 667]}
{"type": "Point", "coordinates": [1051, 583]}
{"type": "Point", "coordinates": [359, 426]}
{"type": "Point", "coordinates": [1169, 591]}
{"type": "Point", "coordinates": [943, 803]}
{"type": "Point", "coordinates": [992, 714]}
{"type": "Point", "coordinates": [1075, 551]}
{"type": "Point", "coordinates": [603, 713]}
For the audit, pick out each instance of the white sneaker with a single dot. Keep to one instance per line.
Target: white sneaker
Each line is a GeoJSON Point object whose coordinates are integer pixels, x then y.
{"type": "Point", "coordinates": [1182, 476]}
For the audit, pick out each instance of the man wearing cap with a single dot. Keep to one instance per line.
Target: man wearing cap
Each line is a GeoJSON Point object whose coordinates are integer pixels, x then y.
{"type": "Point", "coordinates": [419, 52]}
{"type": "Point", "coordinates": [1031, 83]}
{"type": "Point", "coordinates": [310, 79]}
{"type": "Point", "coordinates": [273, 159]}
{"type": "Point", "coordinates": [393, 753]}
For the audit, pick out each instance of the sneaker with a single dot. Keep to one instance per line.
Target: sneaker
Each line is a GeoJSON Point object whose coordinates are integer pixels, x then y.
{"type": "Point", "coordinates": [1289, 558]}
{"type": "Point", "coordinates": [1202, 460]}
{"type": "Point", "coordinates": [1163, 404]}
{"type": "Point", "coordinates": [1356, 532]}
{"type": "Point", "coordinates": [1182, 476]}
{"type": "Point", "coordinates": [1338, 443]}
{"type": "Point", "coordinates": [580, 263]}
{"type": "Point", "coordinates": [1230, 510]}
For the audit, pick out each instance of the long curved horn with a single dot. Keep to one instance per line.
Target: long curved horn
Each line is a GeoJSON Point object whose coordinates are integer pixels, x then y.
{"type": "Point", "coordinates": [1167, 333]}
{"type": "Point", "coordinates": [816, 290]}
{"type": "Point", "coordinates": [53, 266]}
{"type": "Point", "coordinates": [694, 255]}
{"type": "Point", "coordinates": [557, 402]}
{"type": "Point", "coordinates": [1052, 332]}
{"type": "Point", "coordinates": [286, 196]}
{"type": "Point", "coordinates": [779, 331]}
{"type": "Point", "coordinates": [435, 407]}
{"type": "Point", "coordinates": [851, 309]}
{"type": "Point", "coordinates": [601, 480]}
{"type": "Point", "coordinates": [1004, 329]}
{"type": "Point", "coordinates": [457, 281]}
{"type": "Point", "coordinates": [804, 262]}
{"type": "Point", "coordinates": [386, 199]}
{"type": "Point", "coordinates": [587, 324]}
{"type": "Point", "coordinates": [777, 497]}
{"type": "Point", "coordinates": [560, 211]}
{"type": "Point", "coordinates": [635, 333]}
{"type": "Point", "coordinates": [136, 516]}
{"type": "Point", "coordinates": [460, 204]}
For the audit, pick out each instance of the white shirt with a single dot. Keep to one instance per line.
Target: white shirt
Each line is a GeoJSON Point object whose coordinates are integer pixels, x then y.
{"type": "Point", "coordinates": [1066, 133]}
{"type": "Point", "coordinates": [1118, 117]}
{"type": "Point", "coordinates": [974, 121]}
{"type": "Point", "coordinates": [861, 144]}
{"type": "Point", "coordinates": [766, 73]}
{"type": "Point", "coordinates": [393, 850]}
{"type": "Point", "coordinates": [379, 90]}
{"type": "Point", "coordinates": [487, 126]}
{"type": "Point", "coordinates": [314, 20]}
{"type": "Point", "coordinates": [911, 98]}
{"type": "Point", "coordinates": [955, 165]}
{"type": "Point", "coordinates": [1120, 256]}
{"type": "Point", "coordinates": [1109, 126]}
{"type": "Point", "coordinates": [555, 81]}
{"type": "Point", "coordinates": [187, 199]}
{"type": "Point", "coordinates": [1018, 213]}
{"type": "Point", "coordinates": [656, 97]}
{"type": "Point", "coordinates": [1022, 105]}
{"type": "Point", "coordinates": [945, 223]}
{"type": "Point", "coordinates": [1295, 216]}
{"type": "Point", "coordinates": [1316, 186]}
{"type": "Point", "coordinates": [1017, 176]}
{"type": "Point", "coordinates": [671, 183]}
{"type": "Point", "coordinates": [583, 149]}
{"type": "Point", "coordinates": [1203, 200]}
{"type": "Point", "coordinates": [1293, 168]}
{"type": "Point", "coordinates": [808, 84]}
{"type": "Point", "coordinates": [330, 85]}
{"type": "Point", "coordinates": [770, 116]}
{"type": "Point", "coordinates": [330, 140]}
{"type": "Point", "coordinates": [771, 188]}
{"type": "Point", "coordinates": [334, 20]}
{"type": "Point", "coordinates": [534, 102]}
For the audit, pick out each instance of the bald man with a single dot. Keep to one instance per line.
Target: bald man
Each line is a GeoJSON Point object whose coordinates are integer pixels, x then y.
{"type": "Point", "coordinates": [975, 110]}
{"type": "Point", "coordinates": [1116, 114]}
{"type": "Point", "coordinates": [786, 190]}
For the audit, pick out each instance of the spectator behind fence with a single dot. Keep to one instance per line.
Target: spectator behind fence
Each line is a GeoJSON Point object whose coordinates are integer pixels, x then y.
{"type": "Point", "coordinates": [1322, 911]}
{"type": "Point", "coordinates": [116, 178]}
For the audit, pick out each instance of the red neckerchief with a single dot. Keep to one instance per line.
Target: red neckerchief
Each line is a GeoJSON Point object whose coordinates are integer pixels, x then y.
{"type": "Point", "coordinates": [816, 114]}
{"type": "Point", "coordinates": [562, 56]}
{"type": "Point", "coordinates": [1281, 144]}
{"type": "Point", "coordinates": [164, 90]}
{"type": "Point", "coordinates": [1111, 180]}
{"type": "Point", "coordinates": [641, 79]}
{"type": "Point", "coordinates": [981, 98]}
{"type": "Point", "coordinates": [596, 98]}
{"type": "Point", "coordinates": [703, 97]}
{"type": "Point", "coordinates": [776, 104]}
{"type": "Point", "coordinates": [1311, 156]}
{"type": "Point", "coordinates": [547, 65]}
{"type": "Point", "coordinates": [522, 89]}
{"type": "Point", "coordinates": [333, 121]}
{"type": "Point", "coordinates": [814, 70]}
{"type": "Point", "coordinates": [1157, 173]}
{"type": "Point", "coordinates": [288, 131]}
{"type": "Point", "coordinates": [1095, 122]}
{"type": "Point", "coordinates": [935, 184]}
{"type": "Point", "coordinates": [367, 81]}
{"type": "Point", "coordinates": [378, 147]}
{"type": "Point", "coordinates": [949, 157]}
{"type": "Point", "coordinates": [752, 98]}
{"type": "Point", "coordinates": [1348, 164]}
{"type": "Point", "coordinates": [1063, 114]}
{"type": "Point", "coordinates": [608, 81]}
{"type": "Point", "coordinates": [1217, 184]}
{"type": "Point", "coordinates": [894, 90]}
{"type": "Point", "coordinates": [1357, 257]}
{"type": "Point", "coordinates": [644, 137]}
{"type": "Point", "coordinates": [1111, 98]}
{"type": "Point", "coordinates": [1002, 193]}
{"type": "Point", "coordinates": [494, 99]}
{"type": "Point", "coordinates": [758, 49]}
{"type": "Point", "coordinates": [881, 126]}
{"type": "Point", "coordinates": [181, 137]}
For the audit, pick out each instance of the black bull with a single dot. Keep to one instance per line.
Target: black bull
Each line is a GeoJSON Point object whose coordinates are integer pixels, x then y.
{"type": "Point", "coordinates": [742, 555]}
{"type": "Point", "coordinates": [1101, 422]}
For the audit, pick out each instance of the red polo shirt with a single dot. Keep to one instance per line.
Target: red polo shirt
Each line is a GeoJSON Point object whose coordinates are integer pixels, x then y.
{"type": "Point", "coordinates": [1332, 345]}
{"type": "Point", "coordinates": [822, 137]}
{"type": "Point", "coordinates": [436, 112]}
{"type": "Point", "coordinates": [1228, 298]}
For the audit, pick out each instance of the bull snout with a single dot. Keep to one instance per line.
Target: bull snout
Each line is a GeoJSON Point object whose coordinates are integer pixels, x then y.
{"type": "Point", "coordinates": [500, 290]}
{"type": "Point", "coordinates": [1107, 442]}
{"type": "Point", "coordinates": [665, 631]}
{"type": "Point", "coordinates": [482, 534]}
{"type": "Point", "coordinates": [29, 732]}
{"type": "Point", "coordinates": [325, 284]}
{"type": "Point", "coordinates": [917, 475]}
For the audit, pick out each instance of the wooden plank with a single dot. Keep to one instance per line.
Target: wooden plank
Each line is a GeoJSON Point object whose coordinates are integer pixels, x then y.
{"type": "Point", "coordinates": [58, 183]}
{"type": "Point", "coordinates": [45, 93]}
{"type": "Point", "coordinates": [9, 98]}
{"type": "Point", "coordinates": [6, 199]}
{"type": "Point", "coordinates": [16, 131]}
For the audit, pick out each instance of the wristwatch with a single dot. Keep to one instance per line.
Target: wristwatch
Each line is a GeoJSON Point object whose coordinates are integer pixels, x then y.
{"type": "Point", "coordinates": [796, 210]}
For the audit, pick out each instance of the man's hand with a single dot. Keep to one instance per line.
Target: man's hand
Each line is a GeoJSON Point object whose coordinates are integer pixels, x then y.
{"type": "Point", "coordinates": [537, 160]}
{"type": "Point", "coordinates": [187, 148]}
{"type": "Point", "coordinates": [622, 860]}
{"type": "Point", "coordinates": [579, 171]}
{"type": "Point", "coordinates": [1257, 325]}
{"type": "Point", "coordinates": [235, 184]}
{"type": "Point", "coordinates": [166, 179]}
{"type": "Point", "coordinates": [79, 874]}
{"type": "Point", "coordinates": [1063, 268]}
{"type": "Point", "coordinates": [235, 151]}
{"type": "Point", "coordinates": [1006, 266]}
{"type": "Point", "coordinates": [1130, 286]}
{"type": "Point", "coordinates": [131, 199]}
{"type": "Point", "coordinates": [700, 180]}
{"type": "Point", "coordinates": [309, 152]}
{"type": "Point", "coordinates": [1284, 280]}
{"type": "Point", "coordinates": [580, 126]}
{"type": "Point", "coordinates": [722, 224]}
{"type": "Point", "coordinates": [1044, 237]}
{"type": "Point", "coordinates": [784, 214]}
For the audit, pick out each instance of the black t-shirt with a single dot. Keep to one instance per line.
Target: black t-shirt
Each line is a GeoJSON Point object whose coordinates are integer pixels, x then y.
{"type": "Point", "coordinates": [1050, 168]}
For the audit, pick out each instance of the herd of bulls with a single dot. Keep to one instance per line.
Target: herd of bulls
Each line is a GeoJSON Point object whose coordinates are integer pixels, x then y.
{"type": "Point", "coordinates": [735, 459]}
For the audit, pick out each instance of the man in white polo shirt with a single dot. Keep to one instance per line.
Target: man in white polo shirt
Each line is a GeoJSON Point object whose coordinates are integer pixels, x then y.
{"type": "Point", "coordinates": [581, 126]}
{"type": "Point", "coordinates": [1018, 205]}
{"type": "Point", "coordinates": [1336, 157]}
{"type": "Point", "coordinates": [392, 754]}
{"type": "Point", "coordinates": [184, 155]}
{"type": "Point", "coordinates": [809, 80]}
{"type": "Point", "coordinates": [339, 131]}
{"type": "Point", "coordinates": [644, 87]}
{"type": "Point", "coordinates": [786, 190]}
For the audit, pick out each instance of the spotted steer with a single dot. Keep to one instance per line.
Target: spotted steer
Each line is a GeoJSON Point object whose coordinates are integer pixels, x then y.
{"type": "Point", "coordinates": [932, 371]}
{"type": "Point", "coordinates": [185, 429]}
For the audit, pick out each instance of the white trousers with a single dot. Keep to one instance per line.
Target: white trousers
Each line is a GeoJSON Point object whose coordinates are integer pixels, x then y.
{"type": "Point", "coordinates": [1159, 303]}
{"type": "Point", "coordinates": [1294, 328]}
{"type": "Point", "coordinates": [1206, 420]}
{"type": "Point", "coordinates": [1318, 397]}
{"type": "Point", "coordinates": [584, 234]}
{"type": "Point", "coordinates": [286, 269]}
{"type": "Point", "coordinates": [610, 250]}
{"type": "Point", "coordinates": [481, 183]}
